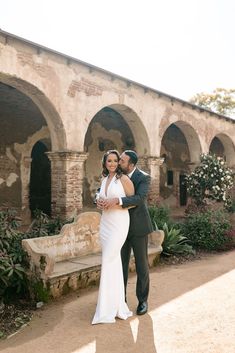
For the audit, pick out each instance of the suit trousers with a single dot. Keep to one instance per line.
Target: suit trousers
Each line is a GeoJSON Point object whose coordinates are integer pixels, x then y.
{"type": "Point", "coordinates": [140, 250]}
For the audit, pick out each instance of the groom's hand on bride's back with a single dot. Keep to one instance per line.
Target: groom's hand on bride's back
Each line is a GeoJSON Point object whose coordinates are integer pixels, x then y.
{"type": "Point", "coordinates": [110, 203]}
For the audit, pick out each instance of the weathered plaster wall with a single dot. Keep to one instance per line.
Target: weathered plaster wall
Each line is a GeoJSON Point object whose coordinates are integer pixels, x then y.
{"type": "Point", "coordinates": [20, 122]}
{"type": "Point", "coordinates": [69, 94]}
{"type": "Point", "coordinates": [77, 92]}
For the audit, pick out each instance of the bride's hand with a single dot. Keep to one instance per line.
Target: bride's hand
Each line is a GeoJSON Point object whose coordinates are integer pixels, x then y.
{"type": "Point", "coordinates": [100, 203]}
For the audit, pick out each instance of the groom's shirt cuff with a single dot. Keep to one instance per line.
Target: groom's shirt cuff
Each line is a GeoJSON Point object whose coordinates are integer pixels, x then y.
{"type": "Point", "coordinates": [120, 201]}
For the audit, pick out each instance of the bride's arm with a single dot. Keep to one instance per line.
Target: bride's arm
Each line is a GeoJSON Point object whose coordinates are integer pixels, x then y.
{"type": "Point", "coordinates": [127, 184]}
{"type": "Point", "coordinates": [128, 187]}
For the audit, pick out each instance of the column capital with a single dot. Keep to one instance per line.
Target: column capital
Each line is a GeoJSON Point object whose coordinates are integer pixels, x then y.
{"type": "Point", "coordinates": [27, 158]}
{"type": "Point", "coordinates": [67, 156]}
{"type": "Point", "coordinates": [155, 161]}
{"type": "Point", "coordinates": [193, 165]}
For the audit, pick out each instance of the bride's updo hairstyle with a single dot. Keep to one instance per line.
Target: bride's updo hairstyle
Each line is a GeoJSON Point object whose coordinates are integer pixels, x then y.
{"type": "Point", "coordinates": [105, 171]}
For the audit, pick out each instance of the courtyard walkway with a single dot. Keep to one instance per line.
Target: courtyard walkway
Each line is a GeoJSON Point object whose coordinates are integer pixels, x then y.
{"type": "Point", "coordinates": [191, 310]}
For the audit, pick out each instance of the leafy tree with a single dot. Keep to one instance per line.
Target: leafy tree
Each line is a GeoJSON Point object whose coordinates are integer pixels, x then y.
{"type": "Point", "coordinates": [221, 101]}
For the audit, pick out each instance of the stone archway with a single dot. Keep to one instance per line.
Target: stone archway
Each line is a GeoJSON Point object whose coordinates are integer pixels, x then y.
{"type": "Point", "coordinates": [113, 127]}
{"type": "Point", "coordinates": [222, 146]}
{"type": "Point", "coordinates": [141, 138]}
{"type": "Point", "coordinates": [180, 148]}
{"type": "Point", "coordinates": [34, 96]}
{"type": "Point", "coordinates": [26, 117]}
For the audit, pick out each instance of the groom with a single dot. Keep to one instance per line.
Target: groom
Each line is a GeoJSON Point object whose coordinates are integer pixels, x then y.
{"type": "Point", "coordinates": [140, 227]}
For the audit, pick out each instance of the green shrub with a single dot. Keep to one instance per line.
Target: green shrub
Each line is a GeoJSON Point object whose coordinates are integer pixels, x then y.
{"type": "Point", "coordinates": [14, 260]}
{"type": "Point", "coordinates": [230, 205]}
{"type": "Point", "coordinates": [159, 216]}
{"type": "Point", "coordinates": [16, 252]}
{"type": "Point", "coordinates": [175, 243]}
{"type": "Point", "coordinates": [42, 225]}
{"type": "Point", "coordinates": [39, 292]}
{"type": "Point", "coordinates": [211, 180]}
{"type": "Point", "coordinates": [207, 230]}
{"type": "Point", "coordinates": [13, 278]}
{"type": "Point", "coordinates": [230, 234]}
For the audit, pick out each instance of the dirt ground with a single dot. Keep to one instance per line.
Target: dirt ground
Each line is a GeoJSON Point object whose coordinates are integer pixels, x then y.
{"type": "Point", "coordinates": [191, 310]}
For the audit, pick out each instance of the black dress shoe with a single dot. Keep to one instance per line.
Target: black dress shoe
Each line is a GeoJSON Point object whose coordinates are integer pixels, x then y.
{"type": "Point", "coordinates": [142, 308]}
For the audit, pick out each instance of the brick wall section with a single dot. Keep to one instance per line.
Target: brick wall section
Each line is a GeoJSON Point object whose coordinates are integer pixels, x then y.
{"type": "Point", "coordinates": [86, 86]}
{"type": "Point", "coordinates": [143, 164]}
{"type": "Point", "coordinates": [67, 169]}
{"type": "Point", "coordinates": [154, 167]}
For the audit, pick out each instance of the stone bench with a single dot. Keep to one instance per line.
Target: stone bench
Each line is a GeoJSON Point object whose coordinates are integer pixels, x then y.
{"type": "Point", "coordinates": [79, 238]}
{"type": "Point", "coordinates": [72, 259]}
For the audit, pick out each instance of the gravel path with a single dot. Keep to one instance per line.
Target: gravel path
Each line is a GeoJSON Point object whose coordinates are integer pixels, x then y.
{"type": "Point", "coordinates": [191, 310]}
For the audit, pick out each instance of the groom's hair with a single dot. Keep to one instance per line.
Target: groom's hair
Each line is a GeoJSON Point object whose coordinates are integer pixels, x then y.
{"type": "Point", "coordinates": [132, 155]}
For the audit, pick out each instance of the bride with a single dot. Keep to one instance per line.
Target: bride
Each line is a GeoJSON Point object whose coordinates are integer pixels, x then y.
{"type": "Point", "coordinates": [114, 227]}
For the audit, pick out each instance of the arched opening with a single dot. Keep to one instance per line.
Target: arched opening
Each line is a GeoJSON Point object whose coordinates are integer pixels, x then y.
{"type": "Point", "coordinates": [22, 124]}
{"type": "Point", "coordinates": [113, 127]}
{"type": "Point", "coordinates": [222, 146]}
{"type": "Point", "coordinates": [217, 148]}
{"type": "Point", "coordinates": [180, 149]}
{"type": "Point", "coordinates": [40, 178]}
{"type": "Point", "coordinates": [31, 96]}
{"type": "Point", "coordinates": [108, 130]}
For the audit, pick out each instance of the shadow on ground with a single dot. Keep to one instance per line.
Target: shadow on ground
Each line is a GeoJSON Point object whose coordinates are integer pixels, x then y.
{"type": "Point", "coordinates": [65, 325]}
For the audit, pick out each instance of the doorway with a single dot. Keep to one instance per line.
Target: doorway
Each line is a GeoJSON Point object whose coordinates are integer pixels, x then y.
{"type": "Point", "coordinates": [40, 179]}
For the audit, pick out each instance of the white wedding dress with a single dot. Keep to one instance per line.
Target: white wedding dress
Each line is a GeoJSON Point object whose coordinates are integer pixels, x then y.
{"type": "Point", "coordinates": [113, 232]}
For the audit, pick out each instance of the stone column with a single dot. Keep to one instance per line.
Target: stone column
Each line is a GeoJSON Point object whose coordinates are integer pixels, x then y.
{"type": "Point", "coordinates": [176, 187]}
{"type": "Point", "coordinates": [25, 169]}
{"type": "Point", "coordinates": [67, 170]}
{"type": "Point", "coordinates": [143, 163]}
{"type": "Point", "coordinates": [154, 168]}
{"type": "Point", "coordinates": [192, 166]}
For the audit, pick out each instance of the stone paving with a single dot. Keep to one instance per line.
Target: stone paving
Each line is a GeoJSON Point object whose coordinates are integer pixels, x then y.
{"type": "Point", "coordinates": [191, 310]}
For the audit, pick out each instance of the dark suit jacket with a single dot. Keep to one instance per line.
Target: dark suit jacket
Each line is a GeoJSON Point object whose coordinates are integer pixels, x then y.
{"type": "Point", "coordinates": [140, 222]}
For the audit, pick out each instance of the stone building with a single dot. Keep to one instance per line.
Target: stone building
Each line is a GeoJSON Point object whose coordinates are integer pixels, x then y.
{"type": "Point", "coordinates": [58, 115]}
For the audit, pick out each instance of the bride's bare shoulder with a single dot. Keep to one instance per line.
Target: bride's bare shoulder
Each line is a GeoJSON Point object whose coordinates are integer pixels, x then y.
{"type": "Point", "coordinates": [125, 179]}
{"type": "Point", "coordinates": [127, 184]}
